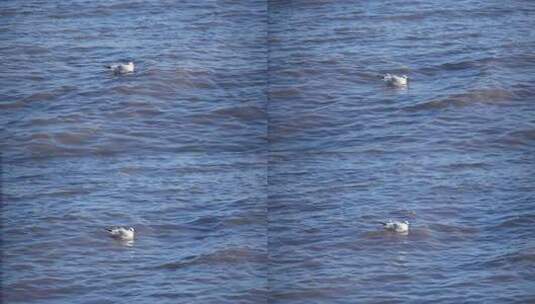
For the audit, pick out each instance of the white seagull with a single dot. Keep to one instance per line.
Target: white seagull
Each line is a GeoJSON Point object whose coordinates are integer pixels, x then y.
{"type": "Point", "coordinates": [121, 233]}
{"type": "Point", "coordinates": [395, 226]}
{"type": "Point", "coordinates": [122, 68]}
{"type": "Point", "coordinates": [395, 80]}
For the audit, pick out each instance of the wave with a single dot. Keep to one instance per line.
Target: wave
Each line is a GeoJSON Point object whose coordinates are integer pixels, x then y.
{"type": "Point", "coordinates": [232, 256]}
{"type": "Point", "coordinates": [485, 96]}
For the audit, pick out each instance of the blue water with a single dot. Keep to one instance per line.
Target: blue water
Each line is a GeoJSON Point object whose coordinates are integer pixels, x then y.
{"type": "Point", "coordinates": [256, 148]}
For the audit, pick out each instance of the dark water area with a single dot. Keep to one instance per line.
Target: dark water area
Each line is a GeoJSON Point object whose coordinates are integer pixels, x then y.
{"type": "Point", "coordinates": [256, 148]}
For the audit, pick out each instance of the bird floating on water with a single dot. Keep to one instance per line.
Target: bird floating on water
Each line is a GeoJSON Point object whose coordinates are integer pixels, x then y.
{"type": "Point", "coordinates": [396, 226]}
{"type": "Point", "coordinates": [395, 80]}
{"type": "Point", "coordinates": [122, 68]}
{"type": "Point", "coordinates": [121, 233]}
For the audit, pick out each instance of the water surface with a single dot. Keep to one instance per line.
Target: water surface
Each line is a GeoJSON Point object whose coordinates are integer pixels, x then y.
{"type": "Point", "coordinates": [255, 149]}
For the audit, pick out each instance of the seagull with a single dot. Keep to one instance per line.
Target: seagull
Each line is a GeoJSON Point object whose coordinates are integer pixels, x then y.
{"type": "Point", "coordinates": [122, 68]}
{"type": "Point", "coordinates": [395, 226]}
{"type": "Point", "coordinates": [395, 80]}
{"type": "Point", "coordinates": [121, 233]}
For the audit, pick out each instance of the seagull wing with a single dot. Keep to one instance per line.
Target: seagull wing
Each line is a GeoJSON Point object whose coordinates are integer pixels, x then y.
{"type": "Point", "coordinates": [114, 231]}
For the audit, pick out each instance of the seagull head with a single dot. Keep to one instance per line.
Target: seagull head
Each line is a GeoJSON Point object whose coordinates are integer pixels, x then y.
{"type": "Point", "coordinates": [131, 229]}
{"type": "Point", "coordinates": [406, 222]}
